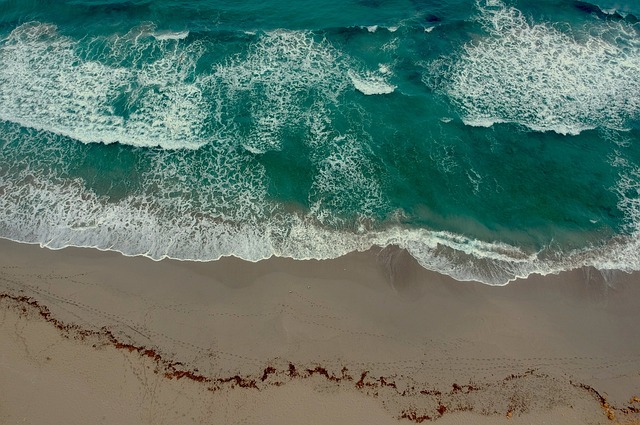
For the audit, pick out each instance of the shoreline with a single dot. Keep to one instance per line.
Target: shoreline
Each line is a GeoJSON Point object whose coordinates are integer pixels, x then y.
{"type": "Point", "coordinates": [386, 251]}
{"type": "Point", "coordinates": [374, 328]}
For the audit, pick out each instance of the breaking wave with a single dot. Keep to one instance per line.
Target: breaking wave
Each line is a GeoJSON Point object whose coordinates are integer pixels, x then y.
{"type": "Point", "coordinates": [130, 89]}
{"type": "Point", "coordinates": [145, 88]}
{"type": "Point", "coordinates": [196, 129]}
{"type": "Point", "coordinates": [171, 218]}
{"type": "Point", "coordinates": [371, 84]}
{"type": "Point", "coordinates": [544, 76]}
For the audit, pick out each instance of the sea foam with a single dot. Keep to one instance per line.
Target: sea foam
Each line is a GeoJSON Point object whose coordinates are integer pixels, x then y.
{"type": "Point", "coordinates": [274, 77]}
{"type": "Point", "coordinates": [172, 217]}
{"type": "Point", "coordinates": [545, 77]}
{"type": "Point", "coordinates": [170, 35]}
{"type": "Point", "coordinates": [202, 204]}
{"type": "Point", "coordinates": [46, 82]}
{"type": "Point", "coordinates": [143, 88]}
{"type": "Point", "coordinates": [370, 84]}
{"type": "Point", "coordinates": [134, 229]}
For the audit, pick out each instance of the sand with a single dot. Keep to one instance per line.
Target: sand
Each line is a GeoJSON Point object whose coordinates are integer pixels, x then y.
{"type": "Point", "coordinates": [369, 338]}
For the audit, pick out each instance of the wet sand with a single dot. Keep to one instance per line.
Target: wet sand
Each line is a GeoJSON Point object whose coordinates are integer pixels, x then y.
{"type": "Point", "coordinates": [369, 338]}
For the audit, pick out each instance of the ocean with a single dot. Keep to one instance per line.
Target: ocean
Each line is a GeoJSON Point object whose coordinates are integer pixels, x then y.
{"type": "Point", "coordinates": [491, 139]}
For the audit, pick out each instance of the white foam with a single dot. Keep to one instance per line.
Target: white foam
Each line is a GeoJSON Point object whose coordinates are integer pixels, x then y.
{"type": "Point", "coordinates": [69, 215]}
{"type": "Point", "coordinates": [545, 78]}
{"type": "Point", "coordinates": [628, 191]}
{"type": "Point", "coordinates": [622, 8]}
{"type": "Point", "coordinates": [345, 181]}
{"type": "Point", "coordinates": [481, 122]}
{"type": "Point", "coordinates": [279, 75]}
{"type": "Point", "coordinates": [375, 28]}
{"type": "Point", "coordinates": [201, 225]}
{"type": "Point", "coordinates": [174, 217]}
{"type": "Point", "coordinates": [370, 83]}
{"type": "Point", "coordinates": [274, 78]}
{"type": "Point", "coordinates": [170, 35]}
{"type": "Point", "coordinates": [134, 227]}
{"type": "Point", "coordinates": [160, 219]}
{"type": "Point", "coordinates": [45, 83]}
{"type": "Point", "coordinates": [384, 69]}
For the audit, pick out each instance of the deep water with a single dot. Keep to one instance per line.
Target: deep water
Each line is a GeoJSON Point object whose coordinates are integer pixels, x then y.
{"type": "Point", "coordinates": [491, 139]}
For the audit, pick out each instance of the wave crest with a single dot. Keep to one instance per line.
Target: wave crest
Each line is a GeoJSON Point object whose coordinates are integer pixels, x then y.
{"type": "Point", "coordinates": [197, 205]}
{"type": "Point", "coordinates": [371, 84]}
{"type": "Point", "coordinates": [544, 78]}
{"type": "Point", "coordinates": [49, 81]}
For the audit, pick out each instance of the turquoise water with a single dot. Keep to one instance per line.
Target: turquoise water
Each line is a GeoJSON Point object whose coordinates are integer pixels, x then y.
{"type": "Point", "coordinates": [491, 139]}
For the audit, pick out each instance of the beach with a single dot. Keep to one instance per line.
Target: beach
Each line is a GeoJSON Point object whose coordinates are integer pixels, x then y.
{"type": "Point", "coordinates": [336, 212]}
{"type": "Point", "coordinates": [371, 337]}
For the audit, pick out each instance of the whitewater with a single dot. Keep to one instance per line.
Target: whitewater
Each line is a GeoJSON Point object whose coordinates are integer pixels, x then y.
{"type": "Point", "coordinates": [490, 139]}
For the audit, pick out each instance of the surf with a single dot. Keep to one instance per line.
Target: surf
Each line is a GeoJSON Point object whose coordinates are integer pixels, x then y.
{"type": "Point", "coordinates": [544, 76]}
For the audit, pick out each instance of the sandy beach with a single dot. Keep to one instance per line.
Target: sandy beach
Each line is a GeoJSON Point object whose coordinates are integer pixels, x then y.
{"type": "Point", "coordinates": [369, 338]}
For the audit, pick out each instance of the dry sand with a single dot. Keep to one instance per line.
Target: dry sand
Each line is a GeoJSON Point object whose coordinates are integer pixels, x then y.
{"type": "Point", "coordinates": [93, 337]}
